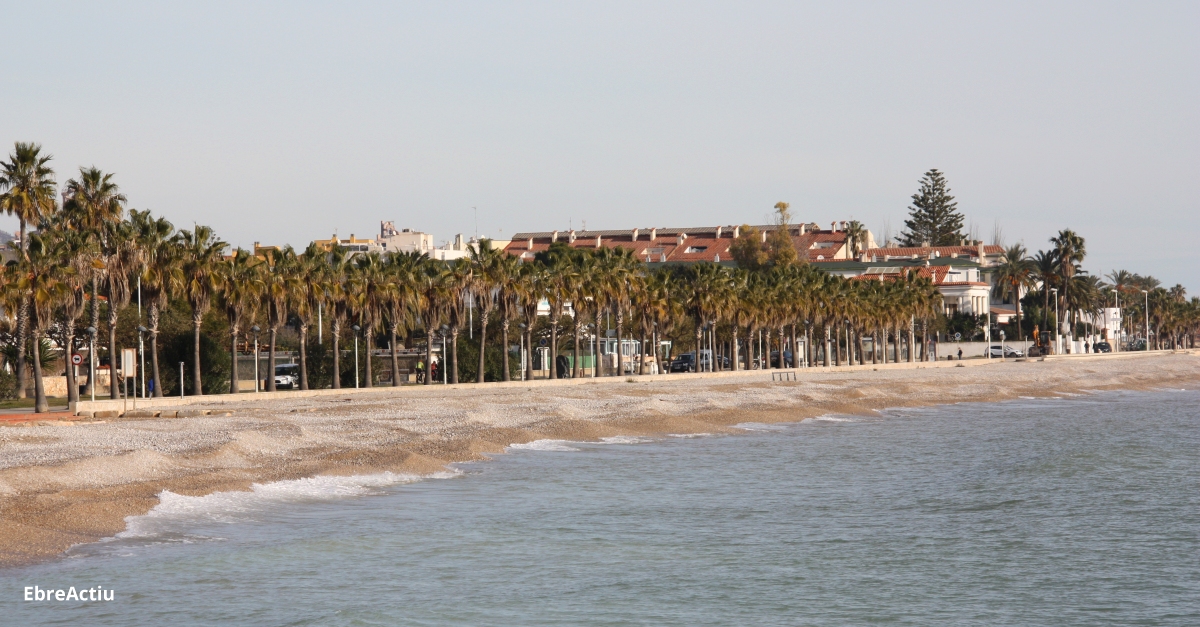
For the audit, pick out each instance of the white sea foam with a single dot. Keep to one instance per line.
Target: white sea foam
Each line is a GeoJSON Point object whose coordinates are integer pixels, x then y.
{"type": "Point", "coordinates": [544, 445]}
{"type": "Point", "coordinates": [625, 439]}
{"type": "Point", "coordinates": [175, 512]}
{"type": "Point", "coordinates": [759, 426]}
{"type": "Point", "coordinates": [689, 435]}
{"type": "Point", "coordinates": [826, 419]}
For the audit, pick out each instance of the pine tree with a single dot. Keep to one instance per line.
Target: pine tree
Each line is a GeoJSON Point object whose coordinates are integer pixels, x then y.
{"type": "Point", "coordinates": [933, 216]}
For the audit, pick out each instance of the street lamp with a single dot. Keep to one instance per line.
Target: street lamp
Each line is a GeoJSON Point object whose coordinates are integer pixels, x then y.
{"type": "Point", "coordinates": [524, 354]}
{"type": "Point", "coordinates": [356, 329]}
{"type": "Point", "coordinates": [257, 376]}
{"type": "Point", "coordinates": [445, 360]}
{"type": "Point", "coordinates": [91, 331]}
{"type": "Point", "coordinates": [1147, 293]}
{"type": "Point", "coordinates": [142, 352]}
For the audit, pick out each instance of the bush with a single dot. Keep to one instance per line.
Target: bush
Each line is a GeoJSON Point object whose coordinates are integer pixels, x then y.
{"type": "Point", "coordinates": [8, 385]}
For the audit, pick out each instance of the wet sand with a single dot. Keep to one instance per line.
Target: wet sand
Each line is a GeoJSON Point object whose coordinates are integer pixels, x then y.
{"type": "Point", "coordinates": [69, 482]}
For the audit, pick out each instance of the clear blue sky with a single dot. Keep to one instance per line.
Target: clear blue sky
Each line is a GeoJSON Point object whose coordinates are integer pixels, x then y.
{"type": "Point", "coordinates": [284, 122]}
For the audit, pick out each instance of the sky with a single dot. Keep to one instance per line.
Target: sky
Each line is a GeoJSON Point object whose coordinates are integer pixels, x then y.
{"type": "Point", "coordinates": [287, 122]}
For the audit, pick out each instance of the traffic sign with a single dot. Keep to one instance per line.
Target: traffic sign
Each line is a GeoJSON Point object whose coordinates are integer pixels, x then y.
{"type": "Point", "coordinates": [957, 336]}
{"type": "Point", "coordinates": [76, 359]}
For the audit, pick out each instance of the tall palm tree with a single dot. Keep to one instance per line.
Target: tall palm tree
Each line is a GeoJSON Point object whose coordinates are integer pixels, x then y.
{"type": "Point", "coordinates": [401, 299]}
{"type": "Point", "coordinates": [41, 273]}
{"type": "Point", "coordinates": [308, 299]}
{"type": "Point", "coordinates": [93, 203]}
{"type": "Point", "coordinates": [458, 280]}
{"type": "Point", "coordinates": [200, 255]}
{"type": "Point", "coordinates": [531, 287]}
{"type": "Point", "coordinates": [1014, 274]}
{"type": "Point", "coordinates": [160, 274]}
{"type": "Point", "coordinates": [121, 259]}
{"type": "Point", "coordinates": [433, 294]}
{"type": "Point", "coordinates": [856, 238]}
{"type": "Point", "coordinates": [1046, 271]}
{"type": "Point", "coordinates": [334, 286]}
{"type": "Point", "coordinates": [486, 275]}
{"type": "Point", "coordinates": [279, 286]}
{"type": "Point", "coordinates": [241, 288]}
{"type": "Point", "coordinates": [27, 190]}
{"type": "Point", "coordinates": [1069, 251]}
{"type": "Point", "coordinates": [74, 251]}
{"type": "Point", "coordinates": [371, 286]}
{"type": "Point", "coordinates": [508, 302]}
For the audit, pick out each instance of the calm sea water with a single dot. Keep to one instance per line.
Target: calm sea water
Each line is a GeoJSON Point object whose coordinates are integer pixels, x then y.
{"type": "Point", "coordinates": [1076, 511]}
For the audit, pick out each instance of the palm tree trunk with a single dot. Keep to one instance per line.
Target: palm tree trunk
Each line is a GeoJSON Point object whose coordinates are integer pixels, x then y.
{"type": "Point", "coordinates": [506, 376]}
{"type": "Point", "coordinates": [72, 383]}
{"type": "Point", "coordinates": [808, 351]}
{"type": "Point", "coordinates": [642, 352]}
{"type": "Point", "coordinates": [552, 366]}
{"type": "Point", "coordinates": [737, 365]}
{"type": "Point", "coordinates": [483, 320]}
{"type": "Point", "coordinates": [197, 318]}
{"type": "Point", "coordinates": [577, 367]}
{"type": "Point", "coordinates": [428, 379]}
{"type": "Point", "coordinates": [620, 337]}
{"type": "Point", "coordinates": [152, 318]}
{"type": "Point", "coordinates": [113, 386]}
{"type": "Point", "coordinates": [837, 345]}
{"type": "Point", "coordinates": [529, 348]}
{"type": "Point", "coordinates": [827, 334]}
{"type": "Point", "coordinates": [395, 356]}
{"type": "Point", "coordinates": [454, 353]}
{"type": "Point", "coordinates": [795, 348]}
{"type": "Point", "coordinates": [303, 356]}
{"type": "Point", "coordinates": [22, 336]}
{"type": "Point", "coordinates": [335, 328]}
{"type": "Point", "coordinates": [370, 337]}
{"type": "Point", "coordinates": [273, 331]}
{"type": "Point", "coordinates": [233, 369]}
{"type": "Point", "coordinates": [40, 406]}
{"type": "Point", "coordinates": [699, 345]}
{"type": "Point", "coordinates": [912, 340]}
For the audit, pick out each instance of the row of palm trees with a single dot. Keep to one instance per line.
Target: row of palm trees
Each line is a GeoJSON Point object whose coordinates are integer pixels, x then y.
{"type": "Point", "coordinates": [1055, 277]}
{"type": "Point", "coordinates": [89, 254]}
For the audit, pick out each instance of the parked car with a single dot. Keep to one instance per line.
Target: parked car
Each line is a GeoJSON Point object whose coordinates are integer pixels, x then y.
{"type": "Point", "coordinates": [1008, 351]}
{"type": "Point", "coordinates": [1136, 345]}
{"type": "Point", "coordinates": [685, 362]}
{"type": "Point", "coordinates": [1102, 347]}
{"type": "Point", "coordinates": [287, 376]}
{"type": "Point", "coordinates": [788, 362]}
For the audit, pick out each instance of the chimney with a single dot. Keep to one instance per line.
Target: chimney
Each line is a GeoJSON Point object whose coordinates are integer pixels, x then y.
{"type": "Point", "coordinates": [529, 245]}
{"type": "Point", "coordinates": [635, 234]}
{"type": "Point", "coordinates": [653, 234]}
{"type": "Point", "coordinates": [718, 234]}
{"type": "Point", "coordinates": [925, 244]}
{"type": "Point", "coordinates": [843, 223]}
{"type": "Point", "coordinates": [680, 239]}
{"type": "Point", "coordinates": [571, 236]}
{"type": "Point", "coordinates": [717, 258]}
{"type": "Point", "coordinates": [803, 228]}
{"type": "Point", "coordinates": [458, 241]}
{"type": "Point", "coordinates": [833, 226]}
{"type": "Point", "coordinates": [764, 237]}
{"type": "Point", "coordinates": [553, 236]}
{"type": "Point", "coordinates": [737, 232]}
{"type": "Point", "coordinates": [597, 241]}
{"type": "Point", "coordinates": [981, 252]}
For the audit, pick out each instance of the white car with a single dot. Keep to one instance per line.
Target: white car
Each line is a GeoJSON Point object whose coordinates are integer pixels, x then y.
{"type": "Point", "coordinates": [287, 376]}
{"type": "Point", "coordinates": [1008, 351]}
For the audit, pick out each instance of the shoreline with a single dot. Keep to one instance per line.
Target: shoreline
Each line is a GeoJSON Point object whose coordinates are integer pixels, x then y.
{"type": "Point", "coordinates": [64, 484]}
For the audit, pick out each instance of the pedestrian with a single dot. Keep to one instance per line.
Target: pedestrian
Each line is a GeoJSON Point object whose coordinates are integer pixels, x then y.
{"type": "Point", "coordinates": [960, 353]}
{"type": "Point", "coordinates": [150, 384]}
{"type": "Point", "coordinates": [433, 371]}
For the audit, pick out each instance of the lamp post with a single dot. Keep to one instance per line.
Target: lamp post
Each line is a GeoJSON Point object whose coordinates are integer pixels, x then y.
{"type": "Point", "coordinates": [91, 331]}
{"type": "Point", "coordinates": [257, 376]}
{"type": "Point", "coordinates": [1057, 326]}
{"type": "Point", "coordinates": [445, 361]}
{"type": "Point", "coordinates": [181, 379]}
{"type": "Point", "coordinates": [356, 329]}
{"type": "Point", "coordinates": [1147, 293]}
{"type": "Point", "coordinates": [524, 356]}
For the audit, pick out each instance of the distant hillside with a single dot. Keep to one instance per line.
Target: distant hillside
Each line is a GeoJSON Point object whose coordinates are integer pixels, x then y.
{"type": "Point", "coordinates": [5, 237]}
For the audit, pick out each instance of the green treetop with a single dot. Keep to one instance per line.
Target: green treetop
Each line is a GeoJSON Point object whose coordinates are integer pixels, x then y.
{"type": "Point", "coordinates": [934, 219]}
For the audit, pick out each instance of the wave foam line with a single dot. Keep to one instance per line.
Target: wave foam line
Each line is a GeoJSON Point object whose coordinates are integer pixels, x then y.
{"type": "Point", "coordinates": [544, 445]}
{"type": "Point", "coordinates": [176, 511]}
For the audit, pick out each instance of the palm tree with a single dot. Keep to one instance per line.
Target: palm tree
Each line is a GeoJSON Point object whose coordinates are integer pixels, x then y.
{"type": "Point", "coordinates": [432, 296]}
{"type": "Point", "coordinates": [1014, 274]}
{"type": "Point", "coordinates": [530, 288]}
{"type": "Point", "coordinates": [334, 288]}
{"type": "Point", "coordinates": [93, 203]}
{"type": "Point", "coordinates": [371, 285]}
{"type": "Point", "coordinates": [486, 275]}
{"type": "Point", "coordinates": [28, 192]}
{"type": "Point", "coordinates": [401, 298]}
{"type": "Point", "coordinates": [279, 287]}
{"type": "Point", "coordinates": [508, 302]}
{"type": "Point", "coordinates": [40, 274]}
{"type": "Point", "coordinates": [1069, 251]}
{"type": "Point", "coordinates": [241, 287]}
{"type": "Point", "coordinates": [458, 280]}
{"type": "Point", "coordinates": [121, 259]}
{"type": "Point", "coordinates": [1046, 271]}
{"type": "Point", "coordinates": [74, 251]}
{"type": "Point", "coordinates": [200, 255]}
{"type": "Point", "coordinates": [308, 298]}
{"type": "Point", "coordinates": [856, 238]}
{"type": "Point", "coordinates": [160, 276]}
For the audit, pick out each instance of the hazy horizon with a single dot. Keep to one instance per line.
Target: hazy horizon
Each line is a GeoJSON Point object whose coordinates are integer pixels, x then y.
{"type": "Point", "coordinates": [284, 123]}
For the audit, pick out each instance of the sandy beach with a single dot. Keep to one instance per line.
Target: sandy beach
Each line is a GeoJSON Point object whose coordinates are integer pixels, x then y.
{"type": "Point", "coordinates": [64, 483]}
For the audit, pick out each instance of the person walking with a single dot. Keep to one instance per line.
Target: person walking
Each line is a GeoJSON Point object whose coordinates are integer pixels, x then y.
{"type": "Point", "coordinates": [960, 353]}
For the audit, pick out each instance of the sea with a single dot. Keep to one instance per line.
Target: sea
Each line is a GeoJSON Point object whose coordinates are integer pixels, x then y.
{"type": "Point", "coordinates": [1070, 510]}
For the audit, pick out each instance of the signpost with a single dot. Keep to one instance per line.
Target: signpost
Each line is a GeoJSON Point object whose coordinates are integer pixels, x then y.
{"type": "Point", "coordinates": [128, 371]}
